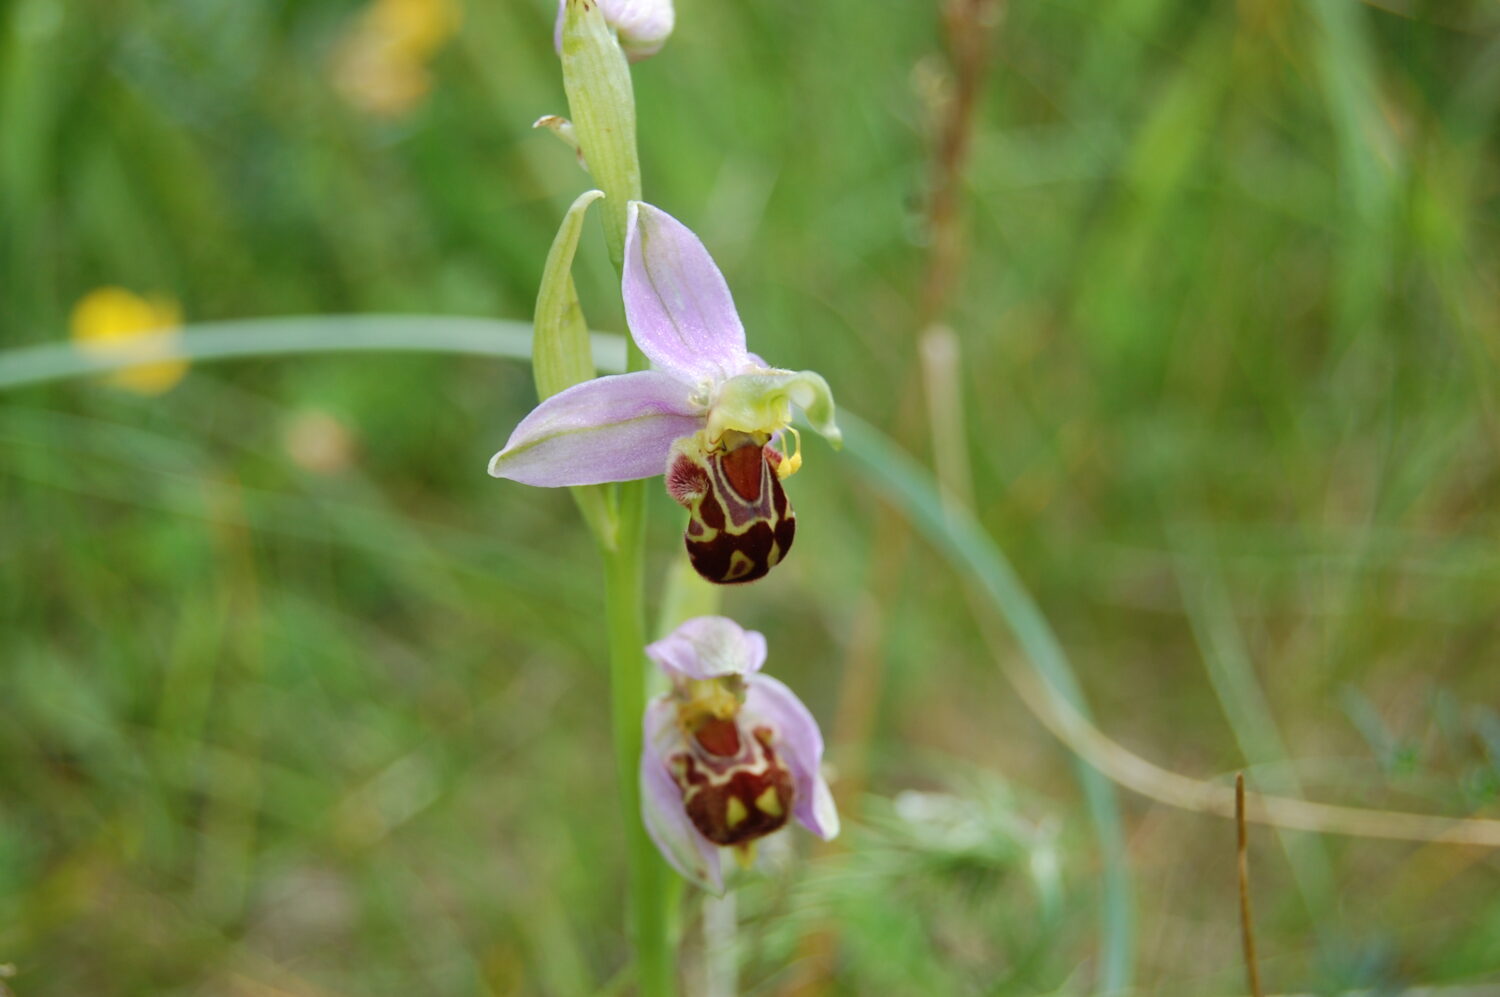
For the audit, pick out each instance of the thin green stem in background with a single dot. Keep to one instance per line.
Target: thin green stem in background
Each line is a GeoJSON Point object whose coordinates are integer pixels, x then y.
{"type": "Point", "coordinates": [959, 537]}
{"type": "Point", "coordinates": [294, 334]}
{"type": "Point", "coordinates": [1232, 674]}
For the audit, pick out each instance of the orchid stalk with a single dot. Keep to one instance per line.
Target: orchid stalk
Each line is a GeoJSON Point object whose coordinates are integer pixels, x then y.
{"type": "Point", "coordinates": [728, 755]}
{"type": "Point", "coordinates": [601, 101]}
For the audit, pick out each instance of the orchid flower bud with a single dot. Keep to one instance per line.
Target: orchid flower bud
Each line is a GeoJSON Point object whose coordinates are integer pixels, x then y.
{"type": "Point", "coordinates": [730, 755]}
{"type": "Point", "coordinates": [601, 102]}
{"type": "Point", "coordinates": [642, 26]}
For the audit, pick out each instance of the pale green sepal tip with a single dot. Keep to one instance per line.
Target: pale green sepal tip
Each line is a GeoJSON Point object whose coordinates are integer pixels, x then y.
{"type": "Point", "coordinates": [762, 403]}
{"type": "Point", "coordinates": [601, 102]}
{"type": "Point", "coordinates": [561, 352]}
{"type": "Point", "coordinates": [811, 394]}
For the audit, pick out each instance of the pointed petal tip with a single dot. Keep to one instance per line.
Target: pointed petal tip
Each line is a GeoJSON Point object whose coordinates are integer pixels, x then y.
{"type": "Point", "coordinates": [716, 887]}
{"type": "Point", "coordinates": [615, 428]}
{"type": "Point", "coordinates": [810, 391]}
{"type": "Point", "coordinates": [772, 701]}
{"type": "Point", "coordinates": [677, 303]}
{"type": "Point", "coordinates": [822, 818]}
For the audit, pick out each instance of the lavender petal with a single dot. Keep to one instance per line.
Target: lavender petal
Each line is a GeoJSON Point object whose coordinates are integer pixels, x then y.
{"type": "Point", "coordinates": [800, 742]}
{"type": "Point", "coordinates": [707, 647]}
{"type": "Point", "coordinates": [615, 428]}
{"type": "Point", "coordinates": [676, 301]}
{"type": "Point", "coordinates": [667, 822]}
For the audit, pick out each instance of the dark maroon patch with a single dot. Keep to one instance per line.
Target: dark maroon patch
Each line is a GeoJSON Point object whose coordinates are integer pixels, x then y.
{"type": "Point", "coordinates": [778, 494]}
{"type": "Point", "coordinates": [714, 559]}
{"type": "Point", "coordinates": [710, 511]}
{"type": "Point", "coordinates": [786, 532]}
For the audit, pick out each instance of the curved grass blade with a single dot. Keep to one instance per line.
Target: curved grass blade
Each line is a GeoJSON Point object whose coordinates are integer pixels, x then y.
{"type": "Point", "coordinates": [262, 337]}
{"type": "Point", "coordinates": [960, 538]}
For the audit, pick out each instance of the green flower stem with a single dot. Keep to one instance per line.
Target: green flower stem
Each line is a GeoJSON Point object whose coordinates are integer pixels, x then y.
{"type": "Point", "coordinates": [652, 884]}
{"type": "Point", "coordinates": [625, 609]}
{"type": "Point", "coordinates": [601, 101]}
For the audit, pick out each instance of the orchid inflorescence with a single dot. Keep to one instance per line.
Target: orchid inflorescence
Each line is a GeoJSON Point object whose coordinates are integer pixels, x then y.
{"type": "Point", "coordinates": [728, 754]}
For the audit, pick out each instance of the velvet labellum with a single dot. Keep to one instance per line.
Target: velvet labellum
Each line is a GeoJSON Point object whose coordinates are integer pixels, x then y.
{"type": "Point", "coordinates": [740, 524]}
{"type": "Point", "coordinates": [734, 787]}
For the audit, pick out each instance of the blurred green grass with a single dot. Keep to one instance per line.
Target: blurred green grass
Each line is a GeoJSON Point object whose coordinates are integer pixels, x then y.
{"type": "Point", "coordinates": [1229, 352]}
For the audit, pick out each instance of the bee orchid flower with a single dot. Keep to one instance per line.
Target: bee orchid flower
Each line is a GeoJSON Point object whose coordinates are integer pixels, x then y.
{"type": "Point", "coordinates": [711, 416]}
{"type": "Point", "coordinates": [729, 754]}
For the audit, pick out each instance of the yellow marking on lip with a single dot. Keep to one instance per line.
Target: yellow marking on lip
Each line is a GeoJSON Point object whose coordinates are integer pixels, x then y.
{"type": "Point", "coordinates": [735, 813]}
{"type": "Point", "coordinates": [769, 803]}
{"type": "Point", "coordinates": [740, 565]}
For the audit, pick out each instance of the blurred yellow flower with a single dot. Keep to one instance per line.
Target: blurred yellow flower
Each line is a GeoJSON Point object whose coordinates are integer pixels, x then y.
{"type": "Point", "coordinates": [380, 65]}
{"type": "Point", "coordinates": [111, 321]}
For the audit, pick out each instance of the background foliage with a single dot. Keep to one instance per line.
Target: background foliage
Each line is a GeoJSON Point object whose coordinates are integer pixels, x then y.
{"type": "Point", "coordinates": [298, 701]}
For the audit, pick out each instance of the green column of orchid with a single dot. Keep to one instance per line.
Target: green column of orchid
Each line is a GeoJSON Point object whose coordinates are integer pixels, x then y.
{"type": "Point", "coordinates": [601, 103]}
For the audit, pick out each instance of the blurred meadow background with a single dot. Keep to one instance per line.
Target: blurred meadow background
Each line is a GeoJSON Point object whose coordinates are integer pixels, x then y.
{"type": "Point", "coordinates": [1196, 305]}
